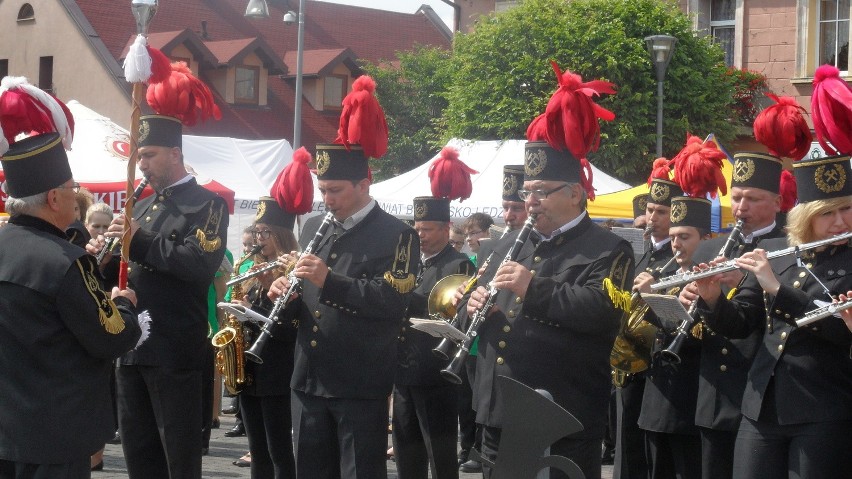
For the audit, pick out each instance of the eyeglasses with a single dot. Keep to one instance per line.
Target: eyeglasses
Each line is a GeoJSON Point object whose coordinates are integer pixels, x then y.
{"type": "Point", "coordinates": [539, 194]}
{"type": "Point", "coordinates": [75, 187]}
{"type": "Point", "coordinates": [264, 235]}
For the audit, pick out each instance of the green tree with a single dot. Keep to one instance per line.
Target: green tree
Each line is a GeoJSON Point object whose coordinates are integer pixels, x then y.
{"type": "Point", "coordinates": [502, 78]}
{"type": "Point", "coordinates": [412, 91]}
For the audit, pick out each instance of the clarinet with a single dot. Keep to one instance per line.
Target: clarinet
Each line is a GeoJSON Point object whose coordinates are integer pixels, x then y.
{"type": "Point", "coordinates": [442, 351]}
{"type": "Point", "coordinates": [451, 372]}
{"type": "Point", "coordinates": [671, 353]}
{"type": "Point", "coordinates": [253, 353]}
{"type": "Point", "coordinates": [112, 241]}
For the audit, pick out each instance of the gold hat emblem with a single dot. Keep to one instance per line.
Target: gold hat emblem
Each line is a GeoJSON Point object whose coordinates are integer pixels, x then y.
{"type": "Point", "coordinates": [743, 169]}
{"type": "Point", "coordinates": [261, 210]}
{"type": "Point", "coordinates": [535, 162]}
{"type": "Point", "coordinates": [830, 178]}
{"type": "Point", "coordinates": [643, 203]}
{"type": "Point", "coordinates": [510, 185]}
{"type": "Point", "coordinates": [660, 192]}
{"type": "Point", "coordinates": [144, 130]}
{"type": "Point", "coordinates": [679, 211]}
{"type": "Point", "coordinates": [420, 211]}
{"type": "Point", "coordinates": [323, 162]}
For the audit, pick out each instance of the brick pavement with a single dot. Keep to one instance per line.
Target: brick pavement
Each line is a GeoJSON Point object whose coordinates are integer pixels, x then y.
{"type": "Point", "coordinates": [223, 451]}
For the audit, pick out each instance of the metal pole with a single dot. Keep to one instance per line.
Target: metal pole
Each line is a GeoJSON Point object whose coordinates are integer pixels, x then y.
{"type": "Point", "coordinates": [659, 118]}
{"type": "Point", "coordinates": [297, 111]}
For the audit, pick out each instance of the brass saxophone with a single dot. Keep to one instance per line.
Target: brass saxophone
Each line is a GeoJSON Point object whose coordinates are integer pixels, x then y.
{"type": "Point", "coordinates": [231, 341]}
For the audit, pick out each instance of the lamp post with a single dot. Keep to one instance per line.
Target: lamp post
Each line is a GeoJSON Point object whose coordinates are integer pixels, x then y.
{"type": "Point", "coordinates": [661, 48]}
{"type": "Point", "coordinates": [259, 9]}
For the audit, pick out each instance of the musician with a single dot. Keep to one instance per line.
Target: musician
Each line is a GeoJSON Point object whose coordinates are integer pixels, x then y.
{"type": "Point", "coordinates": [424, 425]}
{"type": "Point", "coordinates": [640, 205]}
{"type": "Point", "coordinates": [61, 330]}
{"type": "Point", "coordinates": [797, 404]}
{"type": "Point", "coordinates": [554, 320]}
{"type": "Point", "coordinates": [755, 199]}
{"type": "Point", "coordinates": [514, 210]}
{"type": "Point", "coordinates": [355, 292]}
{"type": "Point", "coordinates": [476, 227]}
{"type": "Point", "coordinates": [177, 242]}
{"type": "Point", "coordinates": [629, 461]}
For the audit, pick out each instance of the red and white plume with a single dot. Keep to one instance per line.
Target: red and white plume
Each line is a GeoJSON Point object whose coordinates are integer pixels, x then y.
{"type": "Point", "coordinates": [450, 177]}
{"type": "Point", "coordinates": [570, 120]}
{"type": "Point", "coordinates": [26, 109]}
{"type": "Point", "coordinates": [660, 170]}
{"type": "Point", "coordinates": [698, 168]}
{"type": "Point", "coordinates": [831, 111]}
{"type": "Point", "coordinates": [183, 96]}
{"type": "Point", "coordinates": [294, 187]}
{"type": "Point", "coordinates": [362, 121]}
{"type": "Point", "coordinates": [782, 128]}
{"type": "Point", "coordinates": [145, 64]}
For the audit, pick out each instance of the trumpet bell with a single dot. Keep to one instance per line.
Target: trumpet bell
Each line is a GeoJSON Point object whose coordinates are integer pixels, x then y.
{"type": "Point", "coordinates": [223, 337]}
{"type": "Point", "coordinates": [440, 300]}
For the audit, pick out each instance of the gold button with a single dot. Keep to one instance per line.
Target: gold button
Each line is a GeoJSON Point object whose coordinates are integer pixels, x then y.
{"type": "Point", "coordinates": [780, 348]}
{"type": "Point", "coordinates": [787, 315]}
{"type": "Point", "coordinates": [500, 361]}
{"type": "Point", "coordinates": [724, 350]}
{"type": "Point", "coordinates": [317, 314]}
{"type": "Point", "coordinates": [155, 207]}
{"type": "Point", "coordinates": [403, 329]}
{"type": "Point", "coordinates": [796, 284]}
{"type": "Point", "coordinates": [502, 344]}
{"type": "Point", "coordinates": [532, 272]}
{"type": "Point", "coordinates": [402, 339]}
{"type": "Point", "coordinates": [507, 328]}
{"type": "Point", "coordinates": [784, 335]}
{"type": "Point", "coordinates": [148, 218]}
{"type": "Point", "coordinates": [333, 256]}
{"type": "Point", "coordinates": [802, 274]}
{"type": "Point", "coordinates": [723, 368]}
{"type": "Point", "coordinates": [161, 198]}
{"type": "Point", "coordinates": [537, 259]}
{"type": "Point", "coordinates": [315, 328]}
{"type": "Point", "coordinates": [511, 314]}
{"type": "Point", "coordinates": [777, 311]}
{"type": "Point", "coordinates": [518, 300]}
{"type": "Point", "coordinates": [313, 344]}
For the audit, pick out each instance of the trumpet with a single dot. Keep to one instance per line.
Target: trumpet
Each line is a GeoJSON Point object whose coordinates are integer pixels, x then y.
{"type": "Point", "coordinates": [681, 279]}
{"type": "Point", "coordinates": [823, 312]}
{"type": "Point", "coordinates": [671, 353]}
{"type": "Point", "coordinates": [111, 242]}
{"type": "Point", "coordinates": [253, 353]}
{"type": "Point", "coordinates": [257, 272]}
{"type": "Point", "coordinates": [451, 372]}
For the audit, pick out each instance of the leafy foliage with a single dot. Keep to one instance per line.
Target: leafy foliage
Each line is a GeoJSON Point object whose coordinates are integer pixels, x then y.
{"type": "Point", "coordinates": [748, 85]}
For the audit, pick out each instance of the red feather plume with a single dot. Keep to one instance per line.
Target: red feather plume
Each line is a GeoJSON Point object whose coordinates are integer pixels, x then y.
{"type": "Point", "coordinates": [698, 168]}
{"type": "Point", "coordinates": [161, 66]}
{"type": "Point", "coordinates": [21, 113]}
{"type": "Point", "coordinates": [450, 177]}
{"type": "Point", "coordinates": [362, 121]}
{"type": "Point", "coordinates": [183, 96]}
{"type": "Point", "coordinates": [660, 170]}
{"type": "Point", "coordinates": [782, 128]}
{"type": "Point", "coordinates": [831, 111]}
{"type": "Point", "coordinates": [294, 187]}
{"type": "Point", "coordinates": [788, 191]}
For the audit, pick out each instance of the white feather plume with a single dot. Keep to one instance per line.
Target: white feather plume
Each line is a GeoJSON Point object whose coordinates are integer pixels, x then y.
{"type": "Point", "coordinates": [144, 319]}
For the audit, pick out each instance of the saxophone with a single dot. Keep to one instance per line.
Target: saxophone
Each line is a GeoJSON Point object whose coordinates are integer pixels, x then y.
{"type": "Point", "coordinates": [231, 341]}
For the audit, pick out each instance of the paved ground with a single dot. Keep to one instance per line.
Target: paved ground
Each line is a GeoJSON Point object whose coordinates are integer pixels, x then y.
{"type": "Point", "coordinates": [223, 451]}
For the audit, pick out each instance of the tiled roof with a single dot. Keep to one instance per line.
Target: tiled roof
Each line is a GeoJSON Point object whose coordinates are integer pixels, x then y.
{"type": "Point", "coordinates": [317, 62]}
{"type": "Point", "coordinates": [330, 29]}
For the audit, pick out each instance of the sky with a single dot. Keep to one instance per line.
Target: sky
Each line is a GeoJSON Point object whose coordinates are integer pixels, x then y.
{"type": "Point", "coordinates": [406, 6]}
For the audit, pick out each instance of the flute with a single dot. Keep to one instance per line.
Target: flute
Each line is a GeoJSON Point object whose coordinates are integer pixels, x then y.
{"type": "Point", "coordinates": [823, 312]}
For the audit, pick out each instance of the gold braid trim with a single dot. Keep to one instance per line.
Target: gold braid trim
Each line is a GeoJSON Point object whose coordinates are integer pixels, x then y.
{"type": "Point", "coordinates": [400, 276]}
{"type": "Point", "coordinates": [206, 244]}
{"type": "Point", "coordinates": [210, 230]}
{"type": "Point", "coordinates": [620, 298]}
{"type": "Point", "coordinates": [731, 293]}
{"type": "Point", "coordinates": [402, 285]}
{"type": "Point", "coordinates": [108, 314]}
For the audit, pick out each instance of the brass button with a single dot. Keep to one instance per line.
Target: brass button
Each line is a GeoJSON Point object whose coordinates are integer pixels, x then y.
{"type": "Point", "coordinates": [723, 368]}
{"type": "Point", "coordinates": [161, 198]}
{"type": "Point", "coordinates": [500, 361]}
{"type": "Point", "coordinates": [402, 339]}
{"type": "Point", "coordinates": [802, 274]}
{"type": "Point", "coordinates": [507, 328]}
{"type": "Point", "coordinates": [784, 335]}
{"type": "Point", "coordinates": [511, 314]}
{"type": "Point", "coordinates": [317, 314]}
{"type": "Point", "coordinates": [780, 348]}
{"type": "Point", "coordinates": [155, 207]}
{"type": "Point", "coordinates": [724, 350]}
{"type": "Point", "coordinates": [777, 311]}
{"type": "Point", "coordinates": [796, 284]}
{"type": "Point", "coordinates": [502, 344]}
{"type": "Point", "coordinates": [532, 272]}
{"type": "Point", "coordinates": [787, 315]}
{"type": "Point", "coordinates": [403, 329]}
{"type": "Point", "coordinates": [518, 300]}
{"type": "Point", "coordinates": [537, 259]}
{"type": "Point", "coordinates": [148, 218]}
{"type": "Point", "coordinates": [315, 328]}
{"type": "Point", "coordinates": [333, 256]}
{"type": "Point", "coordinates": [313, 343]}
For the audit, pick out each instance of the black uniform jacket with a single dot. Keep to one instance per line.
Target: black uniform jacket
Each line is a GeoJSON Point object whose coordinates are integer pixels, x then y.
{"type": "Point", "coordinates": [810, 366]}
{"type": "Point", "coordinates": [416, 365]}
{"type": "Point", "coordinates": [725, 361]}
{"type": "Point", "coordinates": [174, 255]}
{"type": "Point", "coordinates": [272, 378]}
{"type": "Point", "coordinates": [559, 336]}
{"type": "Point", "coordinates": [652, 261]}
{"type": "Point", "coordinates": [61, 332]}
{"type": "Point", "coordinates": [346, 344]}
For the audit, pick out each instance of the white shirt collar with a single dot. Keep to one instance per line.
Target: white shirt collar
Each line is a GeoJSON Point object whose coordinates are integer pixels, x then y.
{"type": "Point", "coordinates": [748, 239]}
{"type": "Point", "coordinates": [567, 226]}
{"type": "Point", "coordinates": [181, 181]}
{"type": "Point", "coordinates": [659, 246]}
{"type": "Point", "coordinates": [359, 215]}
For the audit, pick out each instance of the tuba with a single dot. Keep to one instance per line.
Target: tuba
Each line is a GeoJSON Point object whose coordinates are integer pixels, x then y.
{"type": "Point", "coordinates": [231, 341]}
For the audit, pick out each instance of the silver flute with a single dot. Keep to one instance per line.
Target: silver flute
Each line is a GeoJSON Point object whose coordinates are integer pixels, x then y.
{"type": "Point", "coordinates": [823, 312]}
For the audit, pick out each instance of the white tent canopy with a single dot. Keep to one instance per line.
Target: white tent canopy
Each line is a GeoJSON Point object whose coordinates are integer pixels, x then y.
{"type": "Point", "coordinates": [488, 158]}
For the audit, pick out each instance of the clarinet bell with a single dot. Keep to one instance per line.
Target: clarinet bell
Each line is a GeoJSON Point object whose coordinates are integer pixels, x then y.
{"type": "Point", "coordinates": [670, 354]}
{"type": "Point", "coordinates": [442, 351]}
{"type": "Point", "coordinates": [452, 372]}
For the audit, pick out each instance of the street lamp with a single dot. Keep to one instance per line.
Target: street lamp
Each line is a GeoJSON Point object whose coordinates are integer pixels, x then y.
{"type": "Point", "coordinates": [259, 9]}
{"type": "Point", "coordinates": [661, 48]}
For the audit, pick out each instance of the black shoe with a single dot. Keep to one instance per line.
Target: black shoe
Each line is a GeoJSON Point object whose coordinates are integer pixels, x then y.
{"type": "Point", "coordinates": [230, 410]}
{"type": "Point", "coordinates": [471, 466]}
{"type": "Point", "coordinates": [115, 439]}
{"type": "Point", "coordinates": [238, 430]}
{"type": "Point", "coordinates": [215, 424]}
{"type": "Point", "coordinates": [205, 450]}
{"type": "Point", "coordinates": [463, 456]}
{"type": "Point", "coordinates": [608, 456]}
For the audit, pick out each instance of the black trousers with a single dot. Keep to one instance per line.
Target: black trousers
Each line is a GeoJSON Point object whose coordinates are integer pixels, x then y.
{"type": "Point", "coordinates": [338, 438]}
{"type": "Point", "coordinates": [77, 469]}
{"type": "Point", "coordinates": [208, 379]}
{"type": "Point", "coordinates": [466, 414]}
{"type": "Point", "coordinates": [767, 450]}
{"type": "Point", "coordinates": [717, 453]}
{"type": "Point", "coordinates": [630, 462]}
{"type": "Point", "coordinates": [159, 418]}
{"type": "Point", "coordinates": [268, 424]}
{"type": "Point", "coordinates": [673, 455]}
{"type": "Point", "coordinates": [586, 453]}
{"type": "Point", "coordinates": [424, 431]}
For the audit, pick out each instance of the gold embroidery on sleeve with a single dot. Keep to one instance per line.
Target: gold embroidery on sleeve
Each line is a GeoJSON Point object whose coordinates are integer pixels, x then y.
{"type": "Point", "coordinates": [108, 314]}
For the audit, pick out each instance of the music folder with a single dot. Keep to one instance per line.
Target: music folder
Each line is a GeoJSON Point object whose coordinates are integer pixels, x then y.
{"type": "Point", "coordinates": [667, 307]}
{"type": "Point", "coordinates": [438, 328]}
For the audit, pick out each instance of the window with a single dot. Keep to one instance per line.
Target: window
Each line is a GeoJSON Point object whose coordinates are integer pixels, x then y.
{"type": "Point", "coordinates": [4, 68]}
{"type": "Point", "coordinates": [26, 13]}
{"type": "Point", "coordinates": [334, 91]}
{"type": "Point", "coordinates": [834, 33]}
{"type": "Point", "coordinates": [246, 84]}
{"type": "Point", "coordinates": [722, 25]}
{"type": "Point", "coordinates": [45, 74]}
